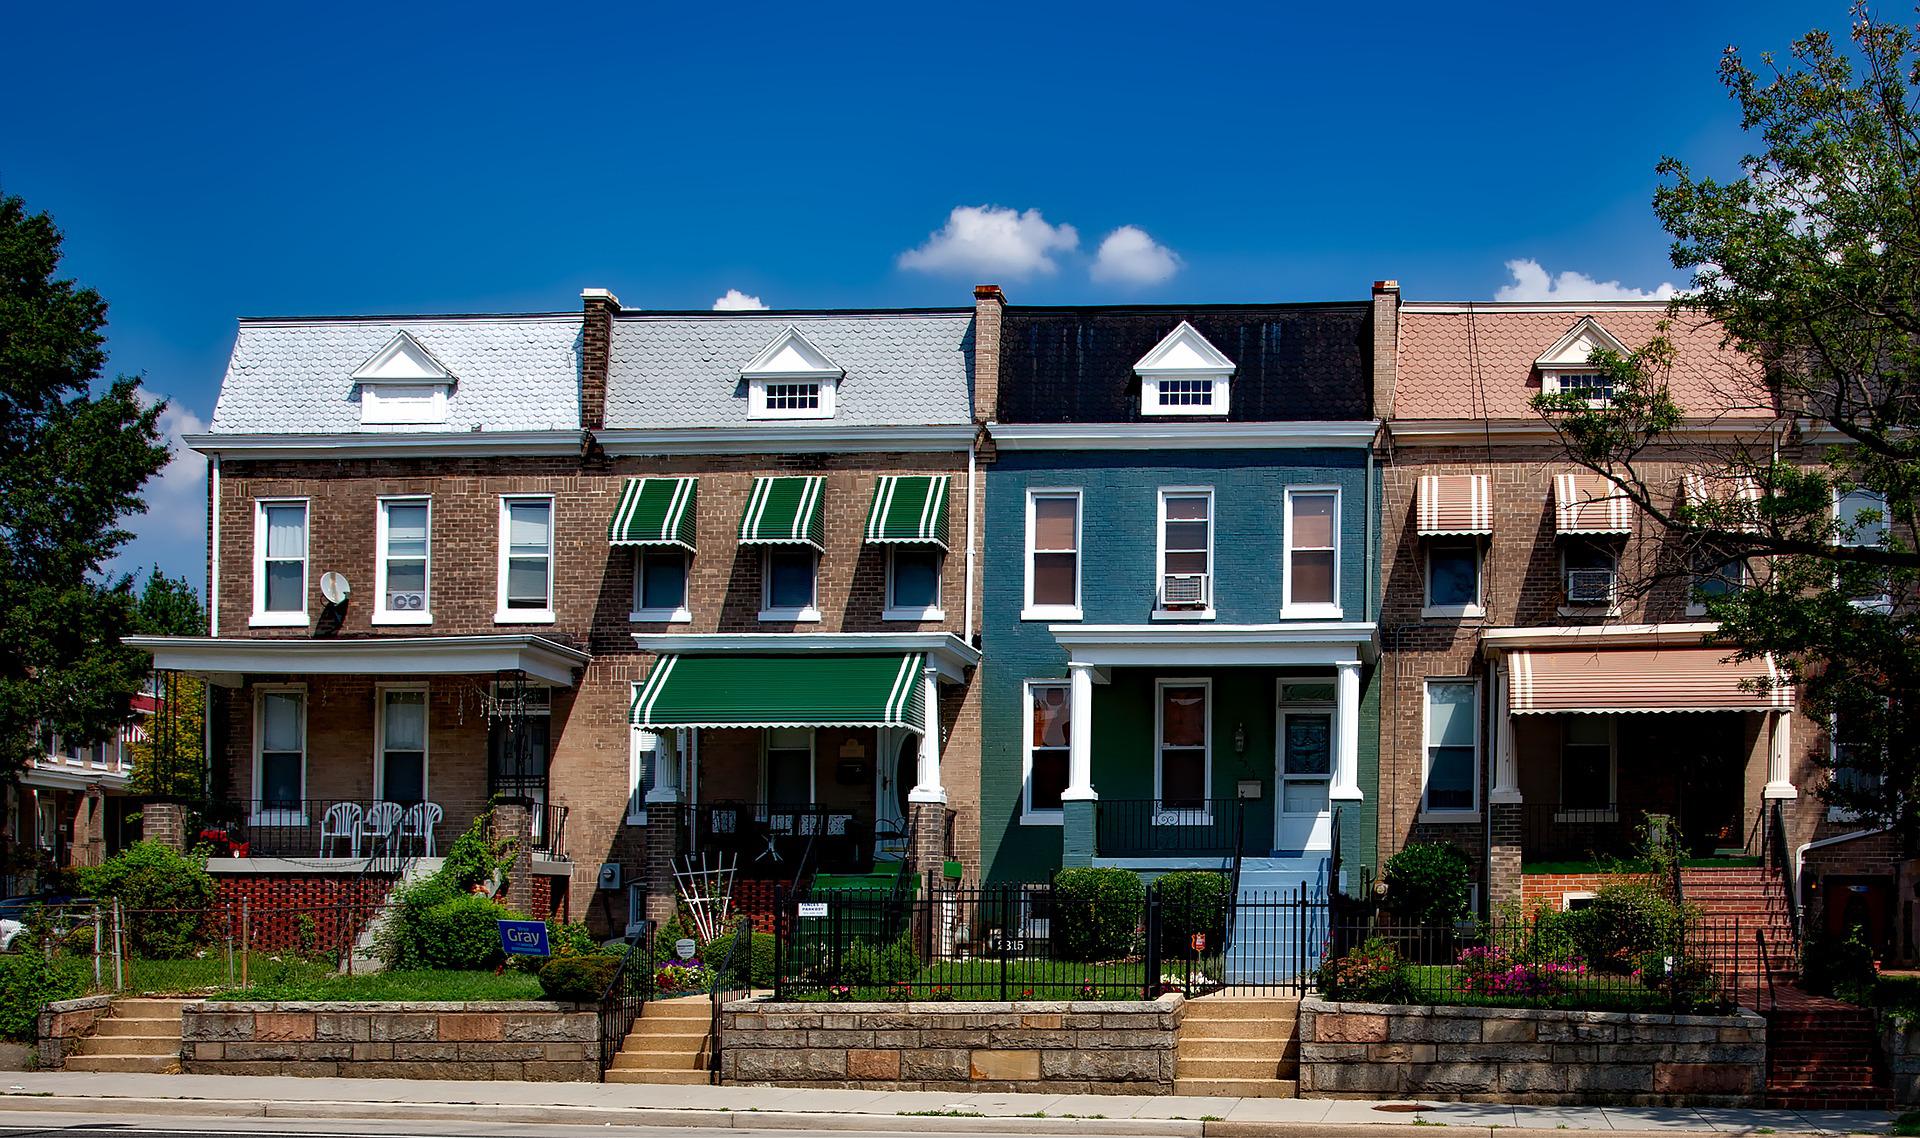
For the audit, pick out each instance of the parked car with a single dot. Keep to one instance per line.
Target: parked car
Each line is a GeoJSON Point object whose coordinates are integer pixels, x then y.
{"type": "Point", "coordinates": [14, 912]}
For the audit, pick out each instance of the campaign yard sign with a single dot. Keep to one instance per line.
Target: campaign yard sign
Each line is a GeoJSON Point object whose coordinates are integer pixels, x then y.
{"type": "Point", "coordinates": [524, 938]}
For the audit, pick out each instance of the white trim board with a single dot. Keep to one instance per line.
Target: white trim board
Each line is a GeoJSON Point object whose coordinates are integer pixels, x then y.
{"type": "Point", "coordinates": [1184, 436]}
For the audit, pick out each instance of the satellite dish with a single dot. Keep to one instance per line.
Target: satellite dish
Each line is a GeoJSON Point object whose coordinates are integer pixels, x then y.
{"type": "Point", "coordinates": [335, 588]}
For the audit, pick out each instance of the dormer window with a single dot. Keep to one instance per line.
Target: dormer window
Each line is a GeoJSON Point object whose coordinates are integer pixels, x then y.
{"type": "Point", "coordinates": [1184, 375]}
{"type": "Point", "coordinates": [1567, 367]}
{"type": "Point", "coordinates": [403, 384]}
{"type": "Point", "coordinates": [791, 378]}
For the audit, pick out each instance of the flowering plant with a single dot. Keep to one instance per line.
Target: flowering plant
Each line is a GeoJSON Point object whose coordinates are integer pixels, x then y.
{"type": "Point", "coordinates": [683, 976]}
{"type": "Point", "coordinates": [840, 992]}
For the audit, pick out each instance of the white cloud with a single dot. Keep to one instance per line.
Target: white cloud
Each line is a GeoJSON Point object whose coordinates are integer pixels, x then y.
{"type": "Point", "coordinates": [1532, 282]}
{"type": "Point", "coordinates": [992, 240]}
{"type": "Point", "coordinates": [172, 533]}
{"type": "Point", "coordinates": [1129, 256]}
{"type": "Point", "coordinates": [737, 301]}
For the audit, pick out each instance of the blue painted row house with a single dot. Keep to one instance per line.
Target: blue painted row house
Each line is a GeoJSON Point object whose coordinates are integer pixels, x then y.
{"type": "Point", "coordinates": [1179, 589]}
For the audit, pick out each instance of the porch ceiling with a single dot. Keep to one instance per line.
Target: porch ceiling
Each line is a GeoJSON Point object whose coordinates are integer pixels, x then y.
{"type": "Point", "coordinates": [227, 661]}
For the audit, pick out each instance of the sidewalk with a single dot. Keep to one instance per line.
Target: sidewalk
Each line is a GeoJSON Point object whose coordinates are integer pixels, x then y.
{"type": "Point", "coordinates": [774, 1108]}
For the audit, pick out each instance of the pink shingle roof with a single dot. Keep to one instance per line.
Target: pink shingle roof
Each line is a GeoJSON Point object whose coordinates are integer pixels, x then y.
{"type": "Point", "coordinates": [1440, 346]}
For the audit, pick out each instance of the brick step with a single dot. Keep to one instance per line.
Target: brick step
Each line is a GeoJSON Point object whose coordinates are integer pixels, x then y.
{"type": "Point", "coordinates": [1237, 1088]}
{"type": "Point", "coordinates": [1235, 1069]}
{"type": "Point", "coordinates": [124, 1064]}
{"type": "Point", "coordinates": [1815, 1098]}
{"type": "Point", "coordinates": [115, 1026]}
{"type": "Point", "coordinates": [1236, 1048]}
{"type": "Point", "coordinates": [677, 1078]}
{"type": "Point", "coordinates": [129, 1045]}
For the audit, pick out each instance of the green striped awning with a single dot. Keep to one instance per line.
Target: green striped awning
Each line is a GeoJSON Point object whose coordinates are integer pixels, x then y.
{"type": "Point", "coordinates": [820, 690]}
{"type": "Point", "coordinates": [655, 511]}
{"type": "Point", "coordinates": [909, 509]}
{"type": "Point", "coordinates": [784, 511]}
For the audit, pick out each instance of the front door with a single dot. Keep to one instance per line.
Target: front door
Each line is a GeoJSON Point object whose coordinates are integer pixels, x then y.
{"type": "Point", "coordinates": [1304, 816]}
{"type": "Point", "coordinates": [895, 770]}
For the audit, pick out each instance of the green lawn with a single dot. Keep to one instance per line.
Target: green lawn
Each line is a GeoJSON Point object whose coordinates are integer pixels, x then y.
{"type": "Point", "coordinates": [197, 975]}
{"type": "Point", "coordinates": [1016, 980]}
{"type": "Point", "coordinates": [297, 984]}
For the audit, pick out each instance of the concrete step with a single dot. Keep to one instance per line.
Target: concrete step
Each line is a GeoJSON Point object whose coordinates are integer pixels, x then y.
{"type": "Point", "coordinates": [660, 1060]}
{"type": "Point", "coordinates": [695, 1007]}
{"type": "Point", "coordinates": [1238, 1088]}
{"type": "Point", "coordinates": [124, 1064]}
{"type": "Point", "coordinates": [678, 1078]}
{"type": "Point", "coordinates": [1238, 1028]}
{"type": "Point", "coordinates": [1229, 1048]}
{"type": "Point", "coordinates": [1242, 1008]}
{"type": "Point", "coordinates": [148, 1008]}
{"type": "Point", "coordinates": [114, 1025]}
{"type": "Point", "coordinates": [664, 1040]}
{"type": "Point", "coordinates": [129, 1045]}
{"type": "Point", "coordinates": [1215, 1069]}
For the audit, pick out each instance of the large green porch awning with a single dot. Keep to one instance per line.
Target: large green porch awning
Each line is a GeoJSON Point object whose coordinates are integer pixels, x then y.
{"type": "Point", "coordinates": [909, 509]}
{"type": "Point", "coordinates": [654, 512]}
{"type": "Point", "coordinates": [819, 690]}
{"type": "Point", "coordinates": [784, 511]}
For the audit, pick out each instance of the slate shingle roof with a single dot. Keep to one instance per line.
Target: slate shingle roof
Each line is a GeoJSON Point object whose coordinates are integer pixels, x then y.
{"type": "Point", "coordinates": [683, 370]}
{"type": "Point", "coordinates": [1439, 350]}
{"type": "Point", "coordinates": [511, 373]}
{"type": "Point", "coordinates": [1075, 365]}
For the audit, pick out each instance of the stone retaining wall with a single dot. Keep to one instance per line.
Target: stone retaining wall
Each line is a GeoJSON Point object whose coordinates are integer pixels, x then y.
{"type": "Point", "coordinates": [1096, 1047]}
{"type": "Point", "coordinates": [64, 1022]}
{"type": "Point", "coordinates": [1900, 1043]}
{"type": "Point", "coordinates": [1528, 1056]}
{"type": "Point", "coordinates": [528, 1040]}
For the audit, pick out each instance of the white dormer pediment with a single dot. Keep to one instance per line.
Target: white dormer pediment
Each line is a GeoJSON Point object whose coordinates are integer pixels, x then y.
{"type": "Point", "coordinates": [403, 384]}
{"type": "Point", "coordinates": [1184, 374]}
{"type": "Point", "coordinates": [792, 356]}
{"type": "Point", "coordinates": [1574, 351]}
{"type": "Point", "coordinates": [791, 378]}
{"type": "Point", "coordinates": [403, 360]}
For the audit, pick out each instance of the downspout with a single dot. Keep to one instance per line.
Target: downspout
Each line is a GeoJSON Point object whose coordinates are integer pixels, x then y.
{"type": "Point", "coordinates": [1799, 855]}
{"type": "Point", "coordinates": [213, 561]}
{"type": "Point", "coordinates": [972, 449]}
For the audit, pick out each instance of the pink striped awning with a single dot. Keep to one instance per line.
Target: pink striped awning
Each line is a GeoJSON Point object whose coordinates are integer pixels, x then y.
{"type": "Point", "coordinates": [1698, 489]}
{"type": "Point", "coordinates": [1601, 681]}
{"type": "Point", "coordinates": [1584, 502]}
{"type": "Point", "coordinates": [1453, 504]}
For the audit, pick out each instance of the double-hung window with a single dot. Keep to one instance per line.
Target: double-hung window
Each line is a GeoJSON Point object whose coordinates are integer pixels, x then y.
{"type": "Point", "coordinates": [526, 560]}
{"type": "Point", "coordinates": [1586, 768]}
{"type": "Point", "coordinates": [1183, 752]}
{"type": "Point", "coordinates": [1186, 553]}
{"type": "Point", "coordinates": [913, 583]}
{"type": "Point", "coordinates": [280, 751]}
{"type": "Point", "coordinates": [402, 758]}
{"type": "Point", "coordinates": [1714, 577]}
{"type": "Point", "coordinates": [1453, 577]}
{"type": "Point", "coordinates": [1312, 571]}
{"type": "Point", "coordinates": [1860, 517]}
{"type": "Point", "coordinates": [646, 750]}
{"type": "Point", "coordinates": [1846, 751]}
{"type": "Point", "coordinates": [403, 542]}
{"type": "Point", "coordinates": [1049, 705]}
{"type": "Point", "coordinates": [660, 585]}
{"type": "Point", "coordinates": [1453, 747]}
{"type": "Point", "coordinates": [786, 774]}
{"type": "Point", "coordinates": [790, 576]}
{"type": "Point", "coordinates": [1053, 555]}
{"type": "Point", "coordinates": [280, 563]}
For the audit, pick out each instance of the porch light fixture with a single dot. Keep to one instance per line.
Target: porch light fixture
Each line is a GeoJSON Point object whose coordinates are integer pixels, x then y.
{"type": "Point", "coordinates": [1240, 739]}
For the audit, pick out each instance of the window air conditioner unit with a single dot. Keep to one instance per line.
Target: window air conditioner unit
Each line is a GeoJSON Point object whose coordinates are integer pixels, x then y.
{"type": "Point", "coordinates": [1589, 586]}
{"type": "Point", "coordinates": [411, 600]}
{"type": "Point", "coordinates": [1186, 590]}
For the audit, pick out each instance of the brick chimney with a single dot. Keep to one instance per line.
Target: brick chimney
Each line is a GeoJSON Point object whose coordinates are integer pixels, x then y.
{"type": "Point", "coordinates": [596, 349]}
{"type": "Point", "coordinates": [989, 307]}
{"type": "Point", "coordinates": [1386, 345]}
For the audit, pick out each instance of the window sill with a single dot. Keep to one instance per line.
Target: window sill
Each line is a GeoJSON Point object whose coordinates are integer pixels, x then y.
{"type": "Point", "coordinates": [808, 615]}
{"type": "Point", "coordinates": [1044, 818]}
{"type": "Point", "coordinates": [278, 620]}
{"type": "Point", "coordinates": [1453, 612]}
{"type": "Point", "coordinates": [1311, 612]}
{"type": "Point", "coordinates": [1051, 612]}
{"type": "Point", "coordinates": [935, 613]}
{"type": "Point", "coordinates": [681, 615]}
{"type": "Point", "coordinates": [524, 616]}
{"type": "Point", "coordinates": [401, 618]}
{"type": "Point", "coordinates": [1184, 614]}
{"type": "Point", "coordinates": [1838, 814]}
{"type": "Point", "coordinates": [1582, 817]}
{"type": "Point", "coordinates": [1608, 611]}
{"type": "Point", "coordinates": [639, 819]}
{"type": "Point", "coordinates": [1446, 817]}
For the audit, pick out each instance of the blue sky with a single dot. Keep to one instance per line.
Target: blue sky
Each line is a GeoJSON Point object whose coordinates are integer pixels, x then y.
{"type": "Point", "coordinates": [210, 162]}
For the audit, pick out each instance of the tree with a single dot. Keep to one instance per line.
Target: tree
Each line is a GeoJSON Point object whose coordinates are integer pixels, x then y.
{"type": "Point", "coordinates": [1810, 261]}
{"type": "Point", "coordinates": [74, 451]}
{"type": "Point", "coordinates": [170, 759]}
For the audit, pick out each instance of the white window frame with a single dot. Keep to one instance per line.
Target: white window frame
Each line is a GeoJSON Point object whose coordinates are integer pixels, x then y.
{"type": "Point", "coordinates": [1597, 541]}
{"type": "Point", "coordinates": [1029, 815]}
{"type": "Point", "coordinates": [809, 612]}
{"type": "Point", "coordinates": [1311, 610]}
{"type": "Point", "coordinates": [261, 617]}
{"type": "Point", "coordinates": [1030, 610]}
{"type": "Point", "coordinates": [1160, 553]}
{"type": "Point", "coordinates": [935, 611]}
{"type": "Point", "coordinates": [1451, 813]}
{"type": "Point", "coordinates": [258, 816]}
{"type": "Point", "coordinates": [640, 613]}
{"type": "Point", "coordinates": [636, 769]}
{"type": "Point", "coordinates": [636, 906]}
{"type": "Point", "coordinates": [380, 693]}
{"type": "Point", "coordinates": [381, 613]}
{"type": "Point", "coordinates": [1590, 814]}
{"type": "Point", "coordinates": [503, 614]}
{"type": "Point", "coordinates": [1572, 895]}
{"type": "Point", "coordinates": [1162, 815]}
{"type": "Point", "coordinates": [813, 766]}
{"type": "Point", "coordinates": [1219, 392]}
{"type": "Point", "coordinates": [1557, 379]}
{"type": "Point", "coordinates": [1695, 607]}
{"type": "Point", "coordinates": [1884, 601]}
{"type": "Point", "coordinates": [1479, 606]}
{"type": "Point", "coordinates": [757, 397]}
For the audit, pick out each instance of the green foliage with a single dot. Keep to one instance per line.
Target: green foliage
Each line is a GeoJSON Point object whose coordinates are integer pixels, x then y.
{"type": "Point", "coordinates": [1096, 913]}
{"type": "Point", "coordinates": [74, 453]}
{"type": "Point", "coordinates": [1838, 967]}
{"type": "Point", "coordinates": [1626, 922]}
{"type": "Point", "coordinates": [153, 879]}
{"type": "Point", "coordinates": [169, 759]}
{"type": "Point", "coordinates": [474, 858]}
{"type": "Point", "coordinates": [1688, 983]}
{"type": "Point", "coordinates": [1429, 883]}
{"type": "Point", "coordinates": [1372, 973]}
{"type": "Point", "coordinates": [461, 934]}
{"type": "Point", "coordinates": [669, 933]}
{"type": "Point", "coordinates": [1899, 997]}
{"type": "Point", "coordinates": [578, 978]}
{"type": "Point", "coordinates": [439, 922]}
{"type": "Point", "coordinates": [28, 982]}
{"type": "Point", "coordinates": [752, 966]}
{"type": "Point", "coordinates": [1192, 901]}
{"type": "Point", "coordinates": [573, 938]}
{"type": "Point", "coordinates": [872, 964]}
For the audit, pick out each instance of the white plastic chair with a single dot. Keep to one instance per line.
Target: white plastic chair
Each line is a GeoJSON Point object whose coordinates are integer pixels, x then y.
{"type": "Point", "coordinates": [378, 823]}
{"type": "Point", "coordinates": [419, 822]}
{"type": "Point", "coordinates": [342, 820]}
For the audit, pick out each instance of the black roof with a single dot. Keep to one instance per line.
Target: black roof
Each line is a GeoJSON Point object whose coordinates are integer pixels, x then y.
{"type": "Point", "coordinates": [1291, 361]}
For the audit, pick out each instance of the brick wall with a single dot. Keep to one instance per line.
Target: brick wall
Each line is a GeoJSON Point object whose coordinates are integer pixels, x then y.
{"type": "Point", "coordinates": [339, 906]}
{"type": "Point", "coordinates": [1551, 889]}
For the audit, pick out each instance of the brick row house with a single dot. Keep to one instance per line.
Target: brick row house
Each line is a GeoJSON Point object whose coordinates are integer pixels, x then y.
{"type": "Point", "coordinates": [653, 583]}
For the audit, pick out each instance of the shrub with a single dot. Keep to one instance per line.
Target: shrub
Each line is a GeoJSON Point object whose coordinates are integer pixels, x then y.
{"type": "Point", "coordinates": [432, 930]}
{"type": "Point", "coordinates": [1096, 913]}
{"type": "Point", "coordinates": [474, 858]}
{"type": "Point", "coordinates": [1626, 922]}
{"type": "Point", "coordinates": [579, 978]}
{"type": "Point", "coordinates": [1494, 972]}
{"type": "Point", "coordinates": [1429, 883]}
{"type": "Point", "coordinates": [1899, 997]}
{"type": "Point", "coordinates": [1192, 901]}
{"type": "Point", "coordinates": [1554, 935]}
{"type": "Point", "coordinates": [1373, 973]}
{"type": "Point", "coordinates": [878, 966]}
{"type": "Point", "coordinates": [566, 938]}
{"type": "Point", "coordinates": [667, 934]}
{"type": "Point", "coordinates": [752, 967]}
{"type": "Point", "coordinates": [1689, 982]}
{"type": "Point", "coordinates": [169, 890]}
{"type": "Point", "coordinates": [28, 982]}
{"type": "Point", "coordinates": [1839, 968]}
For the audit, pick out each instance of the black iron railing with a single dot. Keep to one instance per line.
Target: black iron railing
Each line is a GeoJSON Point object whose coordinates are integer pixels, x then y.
{"type": "Point", "coordinates": [1781, 862]}
{"type": "Point", "coordinates": [1143, 827]}
{"type": "Point", "coordinates": [732, 979]}
{"type": "Point", "coordinates": [629, 990]}
{"type": "Point", "coordinates": [771, 840]}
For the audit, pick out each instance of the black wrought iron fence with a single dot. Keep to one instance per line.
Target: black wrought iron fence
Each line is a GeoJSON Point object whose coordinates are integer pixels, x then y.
{"type": "Point", "coordinates": [633, 984]}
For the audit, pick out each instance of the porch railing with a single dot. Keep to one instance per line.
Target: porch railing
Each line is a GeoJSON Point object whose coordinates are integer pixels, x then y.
{"type": "Point", "coordinates": [359, 827]}
{"type": "Point", "coordinates": [1553, 831]}
{"type": "Point", "coordinates": [773, 840]}
{"type": "Point", "coordinates": [1145, 827]}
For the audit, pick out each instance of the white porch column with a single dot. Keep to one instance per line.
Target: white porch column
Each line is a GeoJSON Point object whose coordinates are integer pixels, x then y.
{"type": "Point", "coordinates": [1506, 777]}
{"type": "Point", "coordinates": [1346, 754]}
{"type": "Point", "coordinates": [1080, 736]}
{"type": "Point", "coordinates": [667, 757]}
{"type": "Point", "coordinates": [1780, 759]}
{"type": "Point", "coordinates": [927, 786]}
